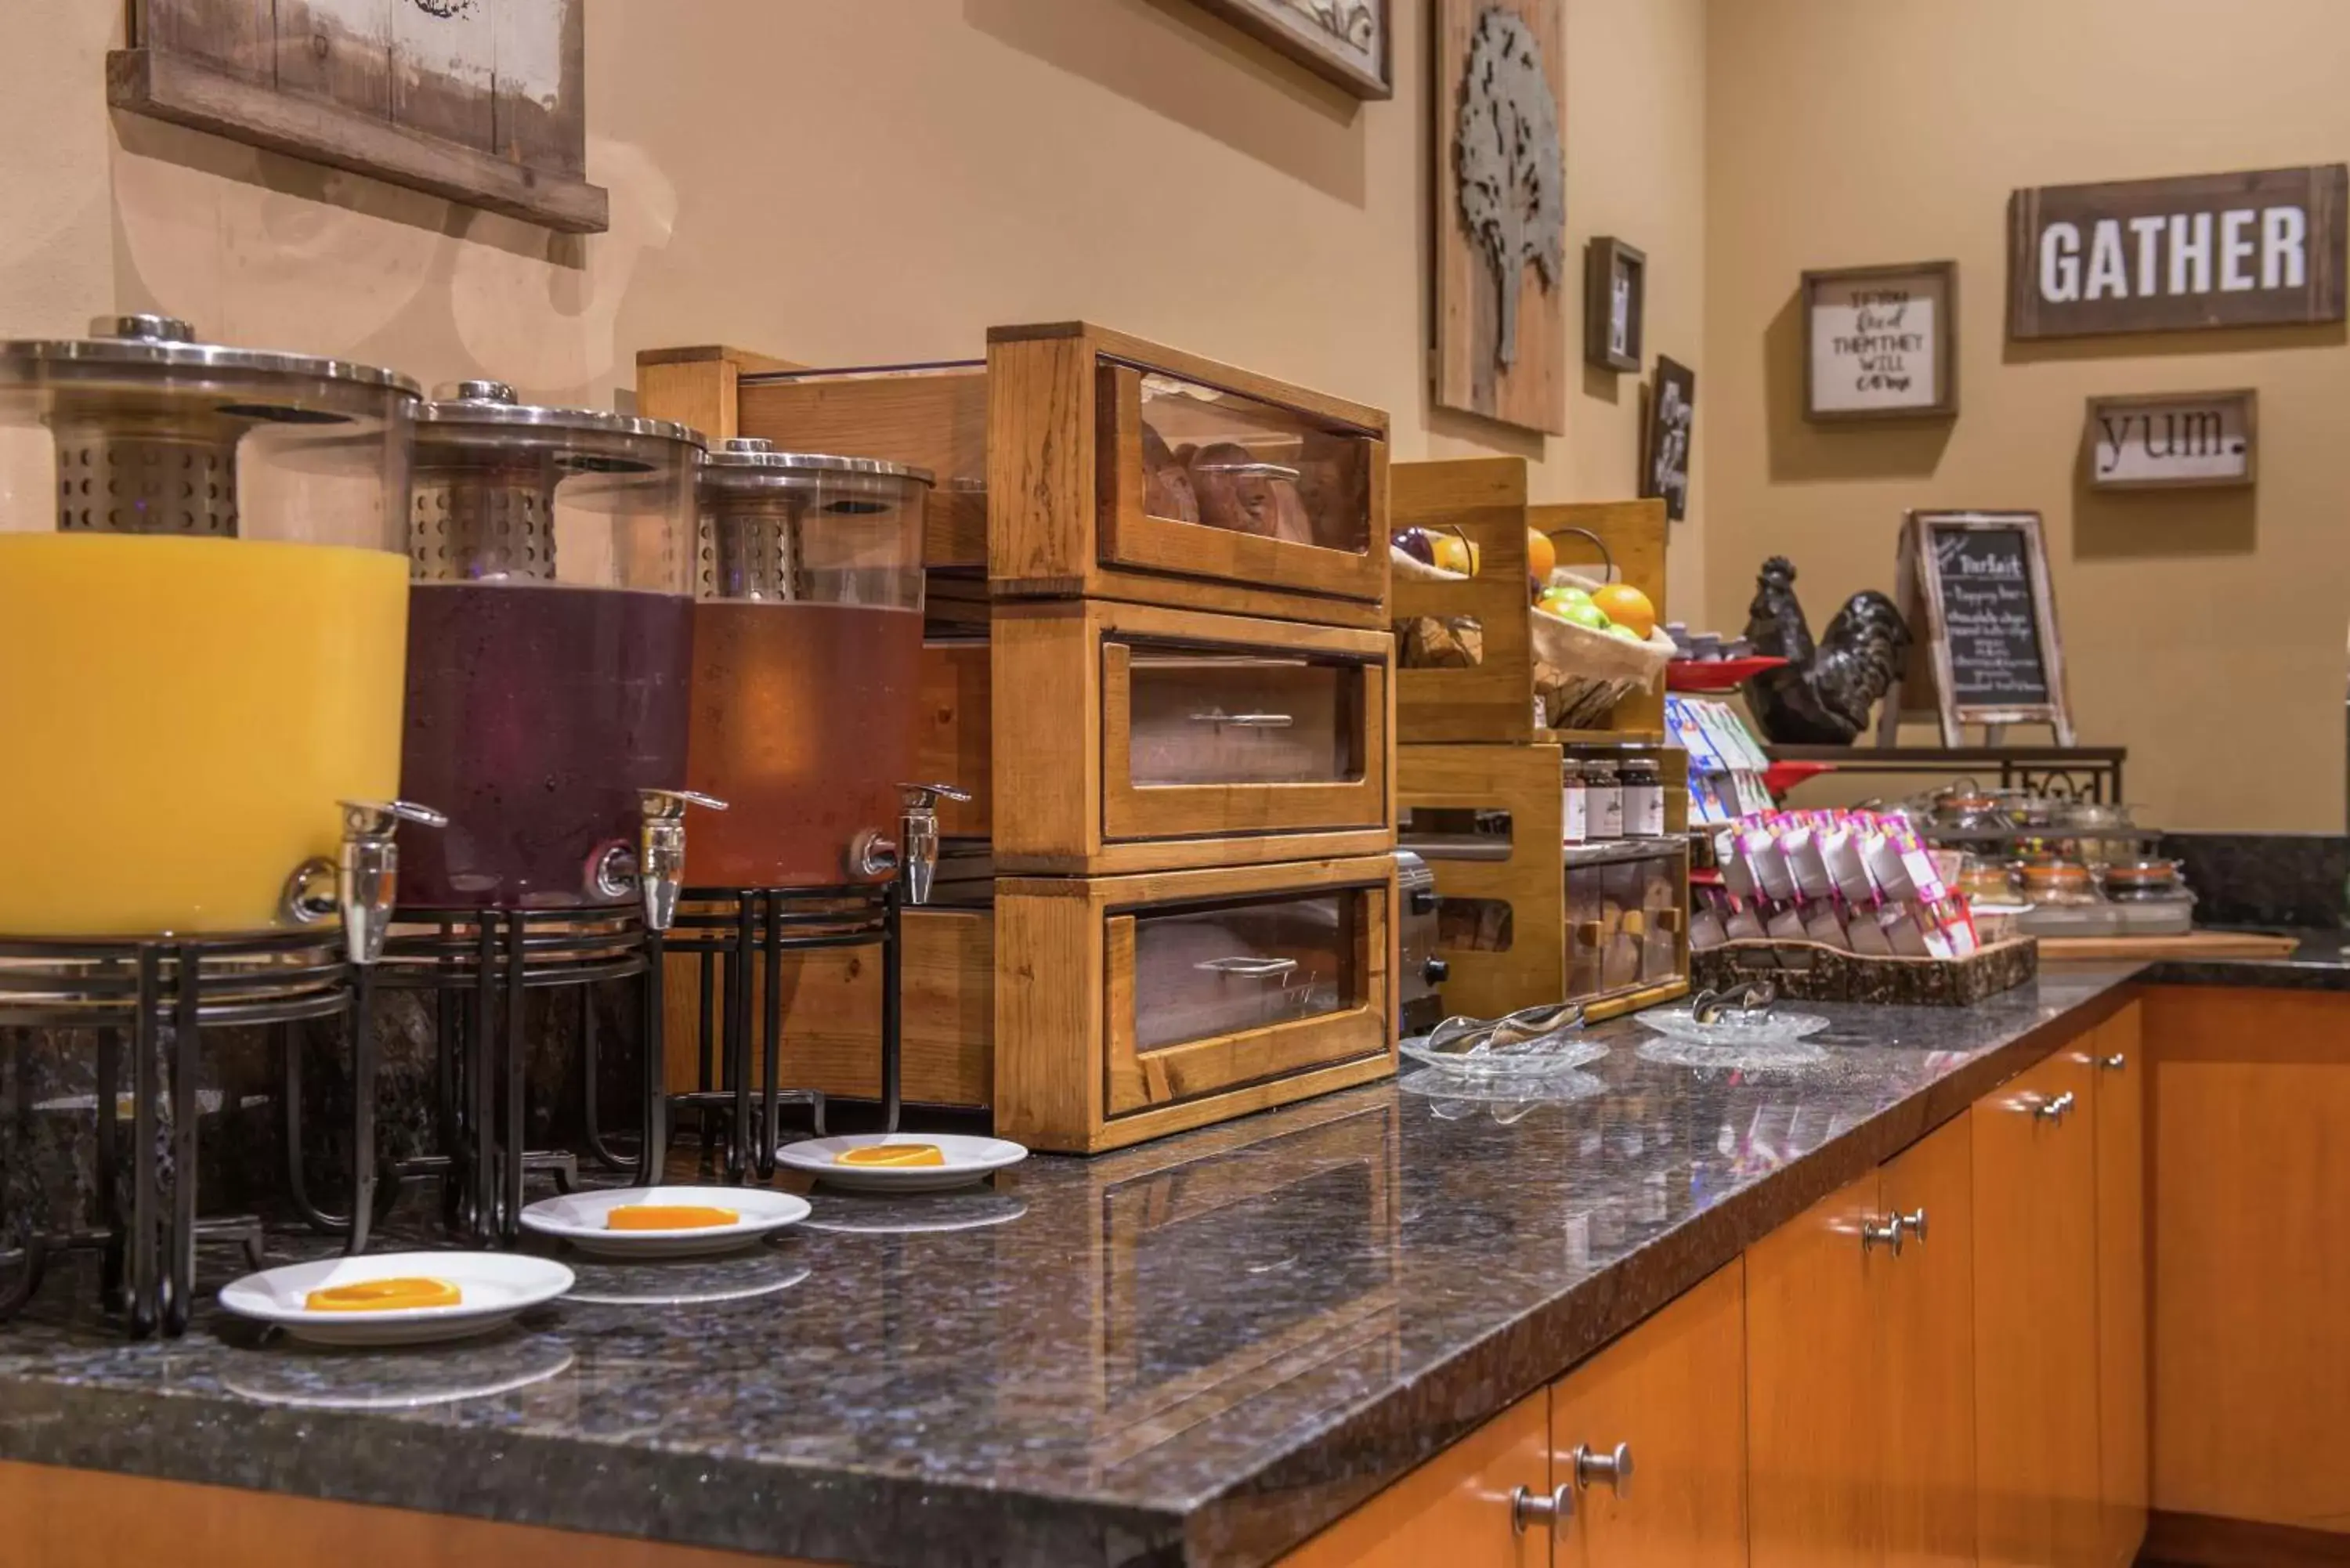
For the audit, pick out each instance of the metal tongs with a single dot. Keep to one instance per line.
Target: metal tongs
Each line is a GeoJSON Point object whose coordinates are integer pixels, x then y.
{"type": "Point", "coordinates": [1459, 1036]}
{"type": "Point", "coordinates": [1753, 999]}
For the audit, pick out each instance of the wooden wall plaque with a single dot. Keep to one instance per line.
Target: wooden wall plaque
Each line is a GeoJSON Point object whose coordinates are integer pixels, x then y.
{"type": "Point", "coordinates": [2259, 249]}
{"type": "Point", "coordinates": [481, 101]}
{"type": "Point", "coordinates": [1502, 285]}
{"type": "Point", "coordinates": [2172, 441]}
{"type": "Point", "coordinates": [1881, 342]}
{"type": "Point", "coordinates": [1615, 304]}
{"type": "Point", "coordinates": [1974, 587]}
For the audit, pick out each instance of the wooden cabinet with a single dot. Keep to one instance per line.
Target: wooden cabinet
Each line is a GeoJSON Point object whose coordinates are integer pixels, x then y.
{"type": "Point", "coordinates": [1459, 1508]}
{"type": "Point", "coordinates": [1669, 1393]}
{"type": "Point", "coordinates": [2248, 1118]}
{"type": "Point", "coordinates": [1925, 1350]}
{"type": "Point", "coordinates": [1860, 1379]}
{"type": "Point", "coordinates": [1129, 1007]}
{"type": "Point", "coordinates": [2119, 1072]}
{"type": "Point", "coordinates": [2036, 1462]}
{"type": "Point", "coordinates": [1815, 1383]}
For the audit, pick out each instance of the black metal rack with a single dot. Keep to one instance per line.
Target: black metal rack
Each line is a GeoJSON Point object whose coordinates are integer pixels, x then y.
{"type": "Point", "coordinates": [734, 930]}
{"type": "Point", "coordinates": [2066, 772]}
{"type": "Point", "coordinates": [143, 987]}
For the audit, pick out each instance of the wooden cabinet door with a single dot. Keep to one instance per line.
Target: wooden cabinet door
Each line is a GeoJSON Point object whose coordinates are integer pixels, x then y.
{"type": "Point", "coordinates": [1671, 1392]}
{"type": "Point", "coordinates": [2119, 1074]}
{"type": "Point", "coordinates": [2036, 1467]}
{"type": "Point", "coordinates": [1925, 1348]}
{"type": "Point", "coordinates": [1815, 1384]}
{"type": "Point", "coordinates": [1457, 1507]}
{"type": "Point", "coordinates": [2249, 1116]}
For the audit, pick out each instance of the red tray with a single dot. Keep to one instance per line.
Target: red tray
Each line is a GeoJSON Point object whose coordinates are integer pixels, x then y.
{"type": "Point", "coordinates": [1781, 777]}
{"type": "Point", "coordinates": [1715, 674]}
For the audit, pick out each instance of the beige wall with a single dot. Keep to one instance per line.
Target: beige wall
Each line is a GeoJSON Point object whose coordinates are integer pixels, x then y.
{"type": "Point", "coordinates": [857, 181]}
{"type": "Point", "coordinates": [2205, 631]}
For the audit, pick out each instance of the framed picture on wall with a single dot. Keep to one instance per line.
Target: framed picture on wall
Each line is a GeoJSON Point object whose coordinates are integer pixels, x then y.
{"type": "Point", "coordinates": [1666, 436]}
{"type": "Point", "coordinates": [1615, 303]}
{"type": "Point", "coordinates": [1881, 342]}
{"type": "Point", "coordinates": [1342, 41]}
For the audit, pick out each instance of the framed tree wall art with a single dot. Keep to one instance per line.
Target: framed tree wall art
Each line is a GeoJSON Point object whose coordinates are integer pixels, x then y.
{"type": "Point", "coordinates": [1501, 284]}
{"type": "Point", "coordinates": [1881, 342]}
{"type": "Point", "coordinates": [481, 101]}
{"type": "Point", "coordinates": [1665, 437]}
{"type": "Point", "coordinates": [1343, 42]}
{"type": "Point", "coordinates": [1615, 304]}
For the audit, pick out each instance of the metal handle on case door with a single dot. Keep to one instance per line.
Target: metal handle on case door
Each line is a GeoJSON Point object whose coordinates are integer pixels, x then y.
{"type": "Point", "coordinates": [2115, 1063]}
{"type": "Point", "coordinates": [1889, 1234]}
{"type": "Point", "coordinates": [1613, 1467]}
{"type": "Point", "coordinates": [1913, 1223]}
{"type": "Point", "coordinates": [1245, 720]}
{"type": "Point", "coordinates": [1249, 968]}
{"type": "Point", "coordinates": [2054, 1110]}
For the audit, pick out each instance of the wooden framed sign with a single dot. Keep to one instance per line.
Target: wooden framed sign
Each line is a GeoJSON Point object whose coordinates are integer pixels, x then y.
{"type": "Point", "coordinates": [1881, 342]}
{"type": "Point", "coordinates": [2171, 441]}
{"type": "Point", "coordinates": [1615, 301]}
{"type": "Point", "coordinates": [1667, 437]}
{"type": "Point", "coordinates": [1974, 587]}
{"type": "Point", "coordinates": [2258, 249]}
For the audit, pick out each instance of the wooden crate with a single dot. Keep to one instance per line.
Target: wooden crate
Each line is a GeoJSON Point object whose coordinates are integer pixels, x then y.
{"type": "Point", "coordinates": [933, 416]}
{"type": "Point", "coordinates": [832, 1014]}
{"type": "Point", "coordinates": [1083, 687]}
{"type": "Point", "coordinates": [1532, 879]}
{"type": "Point", "coordinates": [1107, 1035]}
{"type": "Point", "coordinates": [1071, 409]}
{"type": "Point", "coordinates": [1485, 500]}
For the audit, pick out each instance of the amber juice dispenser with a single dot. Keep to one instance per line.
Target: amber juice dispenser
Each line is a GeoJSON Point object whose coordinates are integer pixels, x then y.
{"type": "Point", "coordinates": [550, 633]}
{"type": "Point", "coordinates": [203, 607]}
{"type": "Point", "coordinates": [806, 635]}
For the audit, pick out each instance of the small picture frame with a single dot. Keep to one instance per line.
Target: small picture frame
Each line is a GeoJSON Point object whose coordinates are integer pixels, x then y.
{"type": "Point", "coordinates": [2172, 441]}
{"type": "Point", "coordinates": [1666, 435]}
{"type": "Point", "coordinates": [1881, 342]}
{"type": "Point", "coordinates": [1615, 304]}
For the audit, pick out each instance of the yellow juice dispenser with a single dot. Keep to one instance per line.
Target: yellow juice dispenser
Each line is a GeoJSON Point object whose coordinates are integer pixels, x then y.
{"type": "Point", "coordinates": [203, 603]}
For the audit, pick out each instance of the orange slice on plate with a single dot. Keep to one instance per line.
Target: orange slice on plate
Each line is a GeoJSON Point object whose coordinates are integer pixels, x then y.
{"type": "Point", "coordinates": [667, 1217]}
{"type": "Point", "coordinates": [891, 1156]}
{"type": "Point", "coordinates": [384, 1295]}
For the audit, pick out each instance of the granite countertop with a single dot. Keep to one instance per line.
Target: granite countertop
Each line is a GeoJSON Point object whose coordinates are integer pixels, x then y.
{"type": "Point", "coordinates": [1200, 1351]}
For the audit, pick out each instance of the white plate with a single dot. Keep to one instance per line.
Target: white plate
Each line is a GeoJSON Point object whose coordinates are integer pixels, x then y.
{"type": "Point", "coordinates": [578, 1217]}
{"type": "Point", "coordinates": [495, 1288]}
{"type": "Point", "coordinates": [968, 1159]}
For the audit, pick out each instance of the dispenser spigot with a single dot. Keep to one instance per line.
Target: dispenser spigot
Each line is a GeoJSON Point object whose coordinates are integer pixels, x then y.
{"type": "Point", "coordinates": [366, 870]}
{"type": "Point", "coordinates": [918, 835]}
{"type": "Point", "coordinates": [660, 855]}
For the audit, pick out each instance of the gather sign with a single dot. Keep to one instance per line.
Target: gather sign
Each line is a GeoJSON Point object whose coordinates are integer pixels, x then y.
{"type": "Point", "coordinates": [2258, 249]}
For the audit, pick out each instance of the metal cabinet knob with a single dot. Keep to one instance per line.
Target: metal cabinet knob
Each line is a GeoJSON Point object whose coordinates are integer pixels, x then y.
{"type": "Point", "coordinates": [2054, 1110]}
{"type": "Point", "coordinates": [1889, 1233]}
{"type": "Point", "coordinates": [1915, 1223]}
{"type": "Point", "coordinates": [1613, 1467]}
{"type": "Point", "coordinates": [2113, 1064]}
{"type": "Point", "coordinates": [1528, 1508]}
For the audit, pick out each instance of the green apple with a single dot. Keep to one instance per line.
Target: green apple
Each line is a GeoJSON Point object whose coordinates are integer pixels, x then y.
{"type": "Point", "coordinates": [1582, 612]}
{"type": "Point", "coordinates": [1627, 633]}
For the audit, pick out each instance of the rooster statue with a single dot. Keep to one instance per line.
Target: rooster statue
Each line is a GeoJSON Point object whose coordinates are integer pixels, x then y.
{"type": "Point", "coordinates": [1823, 694]}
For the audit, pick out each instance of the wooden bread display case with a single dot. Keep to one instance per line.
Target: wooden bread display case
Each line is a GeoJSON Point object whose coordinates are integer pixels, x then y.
{"type": "Point", "coordinates": [1119, 469]}
{"type": "Point", "coordinates": [1489, 690]}
{"type": "Point", "coordinates": [1130, 1007]}
{"type": "Point", "coordinates": [1131, 738]}
{"type": "Point", "coordinates": [1524, 917]}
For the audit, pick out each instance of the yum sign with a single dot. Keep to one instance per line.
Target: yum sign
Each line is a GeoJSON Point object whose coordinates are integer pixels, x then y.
{"type": "Point", "coordinates": [2259, 249]}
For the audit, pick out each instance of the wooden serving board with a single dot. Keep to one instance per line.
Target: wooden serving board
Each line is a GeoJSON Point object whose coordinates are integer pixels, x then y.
{"type": "Point", "coordinates": [2194, 945]}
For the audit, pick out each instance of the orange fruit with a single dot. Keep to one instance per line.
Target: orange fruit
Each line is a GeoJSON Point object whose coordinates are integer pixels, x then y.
{"type": "Point", "coordinates": [667, 1217]}
{"type": "Point", "coordinates": [891, 1154]}
{"type": "Point", "coordinates": [1626, 605]}
{"type": "Point", "coordinates": [1541, 556]}
{"type": "Point", "coordinates": [384, 1295]}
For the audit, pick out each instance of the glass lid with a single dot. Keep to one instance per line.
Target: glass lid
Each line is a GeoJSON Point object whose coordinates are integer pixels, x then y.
{"type": "Point", "coordinates": [145, 350]}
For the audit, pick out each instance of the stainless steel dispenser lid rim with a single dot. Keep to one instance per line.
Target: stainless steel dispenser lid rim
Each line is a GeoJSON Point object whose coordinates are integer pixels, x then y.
{"type": "Point", "coordinates": [495, 403]}
{"type": "Point", "coordinates": [167, 343]}
{"type": "Point", "coordinates": [751, 455]}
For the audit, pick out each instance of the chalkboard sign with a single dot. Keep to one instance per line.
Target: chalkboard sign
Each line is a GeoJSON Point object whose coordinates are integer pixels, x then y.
{"type": "Point", "coordinates": [1975, 586]}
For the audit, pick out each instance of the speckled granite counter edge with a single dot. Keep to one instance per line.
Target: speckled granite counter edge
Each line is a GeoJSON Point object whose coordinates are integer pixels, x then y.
{"type": "Point", "coordinates": [638, 1490]}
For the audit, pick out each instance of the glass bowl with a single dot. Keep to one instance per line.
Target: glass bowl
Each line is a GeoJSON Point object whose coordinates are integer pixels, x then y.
{"type": "Point", "coordinates": [1732, 1027]}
